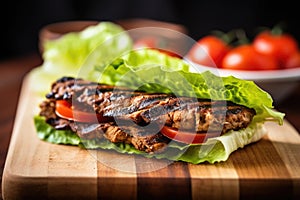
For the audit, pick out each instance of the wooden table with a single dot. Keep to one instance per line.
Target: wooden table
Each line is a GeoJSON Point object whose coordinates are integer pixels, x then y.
{"type": "Point", "coordinates": [11, 75]}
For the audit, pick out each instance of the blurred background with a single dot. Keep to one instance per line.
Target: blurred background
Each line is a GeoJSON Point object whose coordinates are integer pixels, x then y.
{"type": "Point", "coordinates": [22, 20]}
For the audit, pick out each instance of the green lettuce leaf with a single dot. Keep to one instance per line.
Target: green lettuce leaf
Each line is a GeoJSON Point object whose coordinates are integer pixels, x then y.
{"type": "Point", "coordinates": [48, 133]}
{"type": "Point", "coordinates": [214, 150]}
{"type": "Point", "coordinates": [152, 71]}
{"type": "Point", "coordinates": [71, 51]}
{"type": "Point", "coordinates": [66, 55]}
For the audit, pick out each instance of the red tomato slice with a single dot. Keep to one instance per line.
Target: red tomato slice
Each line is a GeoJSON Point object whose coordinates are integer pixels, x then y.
{"type": "Point", "coordinates": [64, 110]}
{"type": "Point", "coordinates": [187, 137]}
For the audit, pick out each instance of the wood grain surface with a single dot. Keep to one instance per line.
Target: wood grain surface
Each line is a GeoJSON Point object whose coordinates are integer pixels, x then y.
{"type": "Point", "coordinates": [35, 169]}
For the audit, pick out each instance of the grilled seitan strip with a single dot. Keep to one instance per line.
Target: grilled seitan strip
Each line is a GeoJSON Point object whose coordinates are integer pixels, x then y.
{"type": "Point", "coordinates": [125, 105]}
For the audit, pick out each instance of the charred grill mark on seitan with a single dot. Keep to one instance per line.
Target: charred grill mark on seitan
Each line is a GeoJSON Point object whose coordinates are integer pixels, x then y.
{"type": "Point", "coordinates": [142, 108]}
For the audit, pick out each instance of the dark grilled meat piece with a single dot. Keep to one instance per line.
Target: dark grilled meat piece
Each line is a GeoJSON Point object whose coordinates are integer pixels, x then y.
{"type": "Point", "coordinates": [142, 108]}
{"type": "Point", "coordinates": [125, 105]}
{"type": "Point", "coordinates": [48, 111]}
{"type": "Point", "coordinates": [144, 139]}
{"type": "Point", "coordinates": [195, 116]}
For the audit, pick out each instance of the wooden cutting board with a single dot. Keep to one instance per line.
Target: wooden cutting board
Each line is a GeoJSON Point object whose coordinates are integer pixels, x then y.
{"type": "Point", "coordinates": [35, 169]}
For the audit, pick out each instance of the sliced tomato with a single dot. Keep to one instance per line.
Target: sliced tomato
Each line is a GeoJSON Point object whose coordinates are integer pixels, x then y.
{"type": "Point", "coordinates": [64, 110]}
{"type": "Point", "coordinates": [187, 137]}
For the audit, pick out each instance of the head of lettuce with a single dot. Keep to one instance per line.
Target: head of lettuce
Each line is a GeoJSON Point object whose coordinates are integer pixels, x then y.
{"type": "Point", "coordinates": [153, 72]}
{"type": "Point", "coordinates": [67, 54]}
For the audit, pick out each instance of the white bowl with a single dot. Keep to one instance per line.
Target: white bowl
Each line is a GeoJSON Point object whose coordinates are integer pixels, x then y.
{"type": "Point", "coordinates": [278, 83]}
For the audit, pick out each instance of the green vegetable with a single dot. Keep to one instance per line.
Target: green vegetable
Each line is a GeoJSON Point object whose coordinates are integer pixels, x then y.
{"type": "Point", "coordinates": [65, 56]}
{"type": "Point", "coordinates": [50, 134]}
{"type": "Point", "coordinates": [152, 71]}
{"type": "Point", "coordinates": [69, 52]}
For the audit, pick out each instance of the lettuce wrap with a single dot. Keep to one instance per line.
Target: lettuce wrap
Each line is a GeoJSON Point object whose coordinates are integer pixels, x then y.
{"type": "Point", "coordinates": [152, 71]}
{"type": "Point", "coordinates": [103, 53]}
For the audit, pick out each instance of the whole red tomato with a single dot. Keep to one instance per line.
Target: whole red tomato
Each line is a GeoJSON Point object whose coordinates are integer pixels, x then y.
{"type": "Point", "coordinates": [154, 43]}
{"type": "Point", "coordinates": [245, 57]}
{"type": "Point", "coordinates": [281, 46]}
{"type": "Point", "coordinates": [208, 51]}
